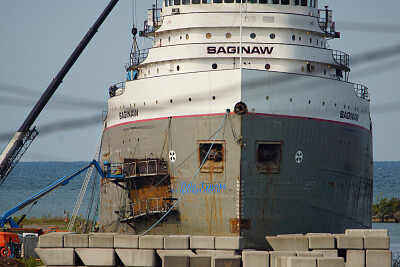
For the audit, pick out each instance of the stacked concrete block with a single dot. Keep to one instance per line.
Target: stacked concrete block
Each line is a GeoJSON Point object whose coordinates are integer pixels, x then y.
{"type": "Point", "coordinates": [52, 240]}
{"type": "Point", "coordinates": [176, 261]}
{"type": "Point", "coordinates": [57, 256]}
{"type": "Point", "coordinates": [328, 252]}
{"type": "Point", "coordinates": [151, 242]}
{"type": "Point", "coordinates": [349, 242]}
{"type": "Point", "coordinates": [330, 262]}
{"type": "Point", "coordinates": [229, 242]}
{"type": "Point", "coordinates": [293, 242]}
{"type": "Point", "coordinates": [101, 240]}
{"type": "Point", "coordinates": [97, 256]}
{"type": "Point", "coordinates": [224, 261]}
{"type": "Point", "coordinates": [126, 241]}
{"type": "Point", "coordinates": [76, 241]}
{"type": "Point", "coordinates": [200, 261]}
{"type": "Point", "coordinates": [162, 253]}
{"type": "Point", "coordinates": [138, 257]}
{"type": "Point", "coordinates": [202, 242]}
{"type": "Point", "coordinates": [206, 252]}
{"type": "Point", "coordinates": [301, 262]}
{"type": "Point", "coordinates": [378, 258]}
{"type": "Point", "coordinates": [255, 258]}
{"type": "Point", "coordinates": [277, 256]}
{"type": "Point", "coordinates": [177, 242]}
{"type": "Point", "coordinates": [321, 241]}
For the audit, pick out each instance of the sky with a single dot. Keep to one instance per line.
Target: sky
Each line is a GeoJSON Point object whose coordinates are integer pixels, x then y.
{"type": "Point", "coordinates": [37, 37]}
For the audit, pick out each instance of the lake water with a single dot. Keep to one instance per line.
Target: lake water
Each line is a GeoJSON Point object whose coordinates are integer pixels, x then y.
{"type": "Point", "coordinates": [28, 178]}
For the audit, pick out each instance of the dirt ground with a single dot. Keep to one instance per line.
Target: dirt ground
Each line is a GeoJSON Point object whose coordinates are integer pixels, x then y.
{"type": "Point", "coordinates": [4, 262]}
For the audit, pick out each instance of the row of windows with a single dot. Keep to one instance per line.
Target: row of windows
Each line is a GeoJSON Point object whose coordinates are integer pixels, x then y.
{"type": "Point", "coordinates": [310, 3]}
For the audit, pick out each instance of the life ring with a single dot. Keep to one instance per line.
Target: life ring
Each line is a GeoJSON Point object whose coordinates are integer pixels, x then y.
{"type": "Point", "coordinates": [240, 108]}
{"type": "Point", "coordinates": [5, 252]}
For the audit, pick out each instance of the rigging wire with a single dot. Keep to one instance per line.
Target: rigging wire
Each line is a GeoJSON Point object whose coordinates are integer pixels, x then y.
{"type": "Point", "coordinates": [204, 160]}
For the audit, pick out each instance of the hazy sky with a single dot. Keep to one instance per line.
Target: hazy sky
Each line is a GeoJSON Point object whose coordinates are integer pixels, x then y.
{"type": "Point", "coordinates": [37, 37]}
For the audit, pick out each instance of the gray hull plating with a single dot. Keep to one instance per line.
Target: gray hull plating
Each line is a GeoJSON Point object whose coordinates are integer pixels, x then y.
{"type": "Point", "coordinates": [330, 190]}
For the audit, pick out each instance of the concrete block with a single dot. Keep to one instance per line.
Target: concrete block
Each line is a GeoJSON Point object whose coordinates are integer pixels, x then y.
{"type": "Point", "coordinates": [314, 254]}
{"type": "Point", "coordinates": [151, 242]}
{"type": "Point", "coordinates": [321, 241]}
{"type": "Point", "coordinates": [376, 242]}
{"type": "Point", "coordinates": [355, 258]}
{"type": "Point", "coordinates": [161, 253]}
{"type": "Point", "coordinates": [229, 242]}
{"type": "Point", "coordinates": [274, 254]}
{"type": "Point", "coordinates": [224, 261]}
{"type": "Point", "coordinates": [367, 232]}
{"type": "Point", "coordinates": [177, 242]}
{"type": "Point", "coordinates": [281, 261]}
{"type": "Point", "coordinates": [349, 242]}
{"type": "Point", "coordinates": [52, 240]}
{"type": "Point", "coordinates": [379, 258]}
{"type": "Point", "coordinates": [206, 252]}
{"type": "Point", "coordinates": [126, 241]}
{"type": "Point", "coordinates": [138, 257]}
{"type": "Point", "coordinates": [255, 258]}
{"type": "Point", "coordinates": [76, 241]}
{"type": "Point", "coordinates": [176, 261]}
{"type": "Point", "coordinates": [288, 242]}
{"type": "Point", "coordinates": [301, 262]}
{"type": "Point", "coordinates": [200, 261]}
{"type": "Point", "coordinates": [101, 240]}
{"type": "Point", "coordinates": [57, 256]}
{"type": "Point", "coordinates": [330, 262]}
{"type": "Point", "coordinates": [96, 256]}
{"type": "Point", "coordinates": [328, 252]}
{"type": "Point", "coordinates": [202, 242]}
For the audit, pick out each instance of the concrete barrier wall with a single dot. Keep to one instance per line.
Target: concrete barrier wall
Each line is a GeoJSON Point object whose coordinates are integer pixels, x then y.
{"type": "Point", "coordinates": [364, 248]}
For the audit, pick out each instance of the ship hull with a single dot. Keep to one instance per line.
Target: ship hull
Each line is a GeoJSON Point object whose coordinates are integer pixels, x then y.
{"type": "Point", "coordinates": [287, 165]}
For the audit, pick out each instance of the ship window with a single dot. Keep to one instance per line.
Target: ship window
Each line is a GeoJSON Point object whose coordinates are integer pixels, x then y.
{"type": "Point", "coordinates": [310, 40]}
{"type": "Point", "coordinates": [275, 1]}
{"type": "Point", "coordinates": [195, 1]}
{"type": "Point", "coordinates": [187, 36]}
{"type": "Point", "coordinates": [229, 1]}
{"type": "Point", "coordinates": [267, 66]}
{"type": "Point", "coordinates": [228, 35]}
{"type": "Point", "coordinates": [252, 1]}
{"type": "Point", "coordinates": [177, 2]}
{"type": "Point", "coordinates": [238, 1]}
{"type": "Point", "coordinates": [263, 1]}
{"type": "Point", "coordinates": [296, 2]}
{"type": "Point", "coordinates": [285, 2]}
{"type": "Point", "coordinates": [304, 2]}
{"type": "Point", "coordinates": [166, 2]}
{"type": "Point", "coordinates": [208, 35]}
{"type": "Point", "coordinates": [272, 36]}
{"type": "Point", "coordinates": [269, 156]}
{"type": "Point", "coordinates": [214, 66]}
{"type": "Point", "coordinates": [293, 37]}
{"type": "Point", "coordinates": [217, 1]}
{"type": "Point", "coordinates": [310, 3]}
{"type": "Point", "coordinates": [215, 160]}
{"type": "Point", "coordinates": [253, 35]}
{"type": "Point", "coordinates": [185, 2]}
{"type": "Point", "coordinates": [206, 2]}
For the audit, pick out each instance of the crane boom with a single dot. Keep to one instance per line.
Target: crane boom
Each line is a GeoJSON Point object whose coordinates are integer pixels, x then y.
{"type": "Point", "coordinates": [24, 136]}
{"type": "Point", "coordinates": [6, 217]}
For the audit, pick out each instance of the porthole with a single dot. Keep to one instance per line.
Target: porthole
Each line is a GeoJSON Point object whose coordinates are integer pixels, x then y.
{"type": "Point", "coordinates": [169, 39]}
{"type": "Point", "coordinates": [148, 72]}
{"type": "Point", "coordinates": [157, 102]}
{"type": "Point", "coordinates": [267, 66]}
{"type": "Point", "coordinates": [158, 70]}
{"type": "Point", "coordinates": [302, 68]}
{"type": "Point", "coordinates": [291, 99]}
{"type": "Point", "coordinates": [323, 103]}
{"type": "Point", "coordinates": [324, 72]}
{"type": "Point", "coordinates": [335, 105]}
{"type": "Point", "coordinates": [190, 99]}
{"type": "Point", "coordinates": [253, 35]}
{"type": "Point", "coordinates": [293, 37]}
{"type": "Point", "coordinates": [267, 98]}
{"type": "Point", "coordinates": [208, 35]}
{"type": "Point", "coordinates": [187, 36]}
{"type": "Point", "coordinates": [310, 40]}
{"type": "Point", "coordinates": [144, 103]}
{"type": "Point", "coordinates": [299, 38]}
{"type": "Point", "coordinates": [309, 102]}
{"type": "Point", "coordinates": [170, 101]}
{"type": "Point", "coordinates": [214, 66]}
{"type": "Point", "coordinates": [180, 37]}
{"type": "Point", "coordinates": [272, 36]}
{"type": "Point", "coordinates": [178, 68]}
{"type": "Point", "coordinates": [228, 35]}
{"type": "Point", "coordinates": [317, 41]}
{"type": "Point", "coordinates": [213, 98]}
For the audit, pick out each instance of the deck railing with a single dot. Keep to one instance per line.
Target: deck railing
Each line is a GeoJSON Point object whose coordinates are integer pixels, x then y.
{"type": "Point", "coordinates": [150, 206]}
{"type": "Point", "coordinates": [341, 58]}
{"type": "Point", "coordinates": [361, 91]}
{"type": "Point", "coordinates": [145, 168]}
{"type": "Point", "coordinates": [138, 57]}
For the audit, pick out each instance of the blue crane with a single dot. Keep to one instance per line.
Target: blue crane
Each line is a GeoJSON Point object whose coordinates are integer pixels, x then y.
{"type": "Point", "coordinates": [6, 217]}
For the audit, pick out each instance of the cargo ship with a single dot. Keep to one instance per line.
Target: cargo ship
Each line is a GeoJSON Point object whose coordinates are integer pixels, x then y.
{"type": "Point", "coordinates": [239, 120]}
